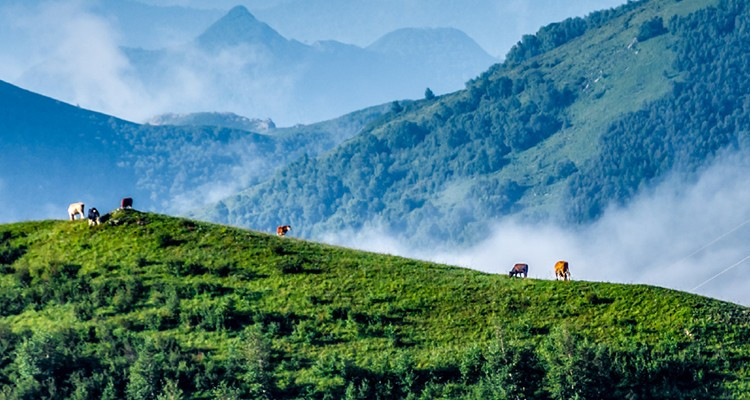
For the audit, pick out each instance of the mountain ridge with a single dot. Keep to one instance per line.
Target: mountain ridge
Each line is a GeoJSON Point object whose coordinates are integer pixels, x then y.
{"type": "Point", "coordinates": [240, 27]}
{"type": "Point", "coordinates": [533, 137]}
{"type": "Point", "coordinates": [291, 81]}
{"type": "Point", "coordinates": [57, 153]}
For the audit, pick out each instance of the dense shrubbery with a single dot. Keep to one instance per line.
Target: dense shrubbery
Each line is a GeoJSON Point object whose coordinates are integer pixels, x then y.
{"type": "Point", "coordinates": [202, 326]}
{"type": "Point", "coordinates": [556, 34]}
{"type": "Point", "coordinates": [651, 28]}
{"type": "Point", "coordinates": [569, 366]}
{"type": "Point", "coordinates": [108, 362]}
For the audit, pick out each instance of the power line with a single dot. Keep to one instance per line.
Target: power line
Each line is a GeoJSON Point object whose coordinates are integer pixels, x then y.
{"type": "Point", "coordinates": [722, 272]}
{"type": "Point", "coordinates": [712, 242]}
{"type": "Point", "coordinates": [707, 245]}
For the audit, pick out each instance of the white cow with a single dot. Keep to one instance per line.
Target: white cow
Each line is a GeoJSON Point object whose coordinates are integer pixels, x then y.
{"type": "Point", "coordinates": [76, 209]}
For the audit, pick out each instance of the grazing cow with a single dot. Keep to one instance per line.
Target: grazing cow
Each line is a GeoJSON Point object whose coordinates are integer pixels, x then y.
{"type": "Point", "coordinates": [76, 209]}
{"type": "Point", "coordinates": [562, 271]}
{"type": "Point", "coordinates": [94, 216]}
{"type": "Point", "coordinates": [519, 269]}
{"type": "Point", "coordinates": [126, 202]}
{"type": "Point", "coordinates": [282, 230]}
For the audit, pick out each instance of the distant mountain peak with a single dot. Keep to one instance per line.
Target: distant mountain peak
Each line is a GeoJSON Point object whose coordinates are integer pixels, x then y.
{"type": "Point", "coordinates": [238, 27]}
{"type": "Point", "coordinates": [428, 41]}
{"type": "Point", "coordinates": [239, 12]}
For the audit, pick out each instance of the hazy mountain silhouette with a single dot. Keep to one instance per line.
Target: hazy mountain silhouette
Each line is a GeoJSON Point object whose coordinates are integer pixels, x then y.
{"type": "Point", "coordinates": [242, 65]}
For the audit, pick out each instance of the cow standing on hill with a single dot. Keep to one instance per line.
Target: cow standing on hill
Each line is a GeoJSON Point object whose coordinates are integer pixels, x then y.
{"type": "Point", "coordinates": [126, 202]}
{"type": "Point", "coordinates": [94, 216]}
{"type": "Point", "coordinates": [562, 271]}
{"type": "Point", "coordinates": [76, 209]}
{"type": "Point", "coordinates": [282, 230]}
{"type": "Point", "coordinates": [519, 269]}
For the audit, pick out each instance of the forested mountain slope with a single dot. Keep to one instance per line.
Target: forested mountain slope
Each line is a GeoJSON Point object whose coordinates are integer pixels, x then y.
{"type": "Point", "coordinates": [55, 153]}
{"type": "Point", "coordinates": [147, 306]}
{"type": "Point", "coordinates": [581, 115]}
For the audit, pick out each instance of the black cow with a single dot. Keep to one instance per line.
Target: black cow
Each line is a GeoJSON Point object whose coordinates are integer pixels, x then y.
{"type": "Point", "coordinates": [519, 269]}
{"type": "Point", "coordinates": [93, 216]}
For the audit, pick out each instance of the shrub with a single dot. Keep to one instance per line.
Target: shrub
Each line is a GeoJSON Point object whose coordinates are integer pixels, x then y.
{"type": "Point", "coordinates": [250, 364]}
{"type": "Point", "coordinates": [651, 28]}
{"type": "Point", "coordinates": [512, 370]}
{"type": "Point", "coordinates": [181, 268]}
{"type": "Point", "coordinates": [305, 332]}
{"type": "Point", "coordinates": [470, 364]}
{"type": "Point", "coordinates": [9, 254]}
{"type": "Point", "coordinates": [290, 265]}
{"type": "Point", "coordinates": [166, 240]}
{"type": "Point", "coordinates": [576, 368]}
{"type": "Point", "coordinates": [428, 94]}
{"type": "Point", "coordinates": [121, 292]}
{"type": "Point", "coordinates": [12, 299]}
{"type": "Point", "coordinates": [42, 364]}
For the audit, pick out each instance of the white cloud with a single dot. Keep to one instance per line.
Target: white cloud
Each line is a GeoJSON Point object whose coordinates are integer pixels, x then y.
{"type": "Point", "coordinates": [678, 235]}
{"type": "Point", "coordinates": [237, 177]}
{"type": "Point", "coordinates": [73, 56]}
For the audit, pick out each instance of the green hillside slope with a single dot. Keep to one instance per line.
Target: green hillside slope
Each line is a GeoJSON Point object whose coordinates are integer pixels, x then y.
{"type": "Point", "coordinates": [584, 114]}
{"type": "Point", "coordinates": [147, 306]}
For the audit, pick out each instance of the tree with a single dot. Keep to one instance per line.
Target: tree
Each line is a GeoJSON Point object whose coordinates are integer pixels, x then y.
{"type": "Point", "coordinates": [428, 95]}
{"type": "Point", "coordinates": [396, 107]}
{"type": "Point", "coordinates": [651, 28]}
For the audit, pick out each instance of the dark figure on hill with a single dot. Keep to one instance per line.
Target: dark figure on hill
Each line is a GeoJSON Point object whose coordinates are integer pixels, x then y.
{"type": "Point", "coordinates": [518, 270]}
{"type": "Point", "coordinates": [94, 217]}
{"type": "Point", "coordinates": [126, 202]}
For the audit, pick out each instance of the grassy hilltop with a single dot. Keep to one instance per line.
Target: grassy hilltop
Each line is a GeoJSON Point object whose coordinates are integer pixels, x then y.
{"type": "Point", "coordinates": [150, 306]}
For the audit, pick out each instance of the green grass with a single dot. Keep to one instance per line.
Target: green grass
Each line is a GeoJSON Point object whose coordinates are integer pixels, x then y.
{"type": "Point", "coordinates": [203, 285]}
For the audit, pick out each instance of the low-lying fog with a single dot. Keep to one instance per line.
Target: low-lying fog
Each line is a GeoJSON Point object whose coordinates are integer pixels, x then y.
{"type": "Point", "coordinates": [686, 234]}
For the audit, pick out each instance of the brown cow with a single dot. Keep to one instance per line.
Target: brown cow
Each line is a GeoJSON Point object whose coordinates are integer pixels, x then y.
{"type": "Point", "coordinates": [562, 271]}
{"type": "Point", "coordinates": [76, 209]}
{"type": "Point", "coordinates": [519, 269]}
{"type": "Point", "coordinates": [282, 230]}
{"type": "Point", "coordinates": [126, 202]}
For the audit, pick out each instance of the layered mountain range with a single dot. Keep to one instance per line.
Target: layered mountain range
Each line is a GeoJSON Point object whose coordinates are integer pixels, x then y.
{"type": "Point", "coordinates": [242, 65]}
{"type": "Point", "coordinates": [580, 116]}
{"type": "Point", "coordinates": [55, 153]}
